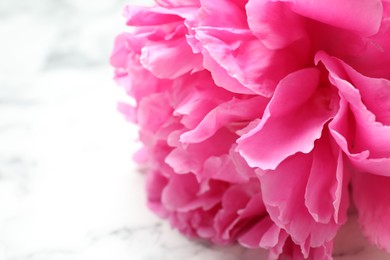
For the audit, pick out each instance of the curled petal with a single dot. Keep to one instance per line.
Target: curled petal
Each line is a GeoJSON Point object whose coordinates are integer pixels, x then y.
{"type": "Point", "coordinates": [358, 127]}
{"type": "Point", "coordinates": [232, 111]}
{"type": "Point", "coordinates": [292, 121]}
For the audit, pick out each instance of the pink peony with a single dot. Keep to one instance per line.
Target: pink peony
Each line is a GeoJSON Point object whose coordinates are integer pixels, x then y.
{"type": "Point", "coordinates": [262, 121]}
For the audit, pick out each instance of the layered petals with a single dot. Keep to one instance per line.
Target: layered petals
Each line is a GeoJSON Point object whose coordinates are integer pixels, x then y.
{"type": "Point", "coordinates": [230, 49]}
{"type": "Point", "coordinates": [292, 121]}
{"type": "Point", "coordinates": [361, 127]}
{"type": "Point", "coordinates": [258, 118]}
{"type": "Point", "coordinates": [311, 220]}
{"type": "Point", "coordinates": [165, 51]}
{"type": "Point", "coordinates": [234, 111]}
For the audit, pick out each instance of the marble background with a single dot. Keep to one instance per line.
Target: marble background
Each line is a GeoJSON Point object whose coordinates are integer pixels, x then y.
{"type": "Point", "coordinates": [68, 187]}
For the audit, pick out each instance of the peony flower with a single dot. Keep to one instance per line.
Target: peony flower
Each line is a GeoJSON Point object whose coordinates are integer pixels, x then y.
{"type": "Point", "coordinates": [262, 121]}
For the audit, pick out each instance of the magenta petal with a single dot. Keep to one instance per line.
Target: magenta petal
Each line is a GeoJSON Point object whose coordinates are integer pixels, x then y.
{"type": "Point", "coordinates": [372, 199]}
{"type": "Point", "coordinates": [293, 120]}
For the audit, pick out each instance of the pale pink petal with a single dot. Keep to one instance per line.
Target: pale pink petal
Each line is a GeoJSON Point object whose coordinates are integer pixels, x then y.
{"type": "Point", "coordinates": [372, 198]}
{"type": "Point", "coordinates": [222, 168]}
{"type": "Point", "coordinates": [155, 184]}
{"type": "Point", "coordinates": [129, 72]}
{"type": "Point", "coordinates": [192, 157]}
{"type": "Point", "coordinates": [130, 112]}
{"type": "Point", "coordinates": [153, 112]}
{"type": "Point", "coordinates": [174, 3]}
{"type": "Point", "coordinates": [165, 51]}
{"type": "Point", "coordinates": [170, 59]}
{"type": "Point", "coordinates": [144, 16]}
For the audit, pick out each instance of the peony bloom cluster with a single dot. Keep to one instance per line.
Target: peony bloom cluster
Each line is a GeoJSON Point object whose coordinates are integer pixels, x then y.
{"type": "Point", "coordinates": [262, 121]}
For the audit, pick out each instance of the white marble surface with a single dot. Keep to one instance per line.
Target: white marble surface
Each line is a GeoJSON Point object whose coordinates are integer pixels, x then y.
{"type": "Point", "coordinates": [68, 187]}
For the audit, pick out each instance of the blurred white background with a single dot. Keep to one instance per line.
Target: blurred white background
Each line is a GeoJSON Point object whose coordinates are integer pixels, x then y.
{"type": "Point", "coordinates": [68, 187]}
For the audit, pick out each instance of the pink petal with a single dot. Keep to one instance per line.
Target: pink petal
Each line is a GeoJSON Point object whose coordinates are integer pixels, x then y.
{"type": "Point", "coordinates": [144, 16]}
{"type": "Point", "coordinates": [238, 209]}
{"type": "Point", "coordinates": [165, 51]}
{"type": "Point", "coordinates": [128, 111]}
{"type": "Point", "coordinates": [264, 233]}
{"type": "Point", "coordinates": [170, 59]}
{"type": "Point", "coordinates": [221, 76]}
{"type": "Point", "coordinates": [199, 96]}
{"type": "Point", "coordinates": [223, 13]}
{"type": "Point", "coordinates": [235, 110]}
{"type": "Point", "coordinates": [372, 198]}
{"type": "Point", "coordinates": [374, 59]}
{"type": "Point", "coordinates": [222, 168]}
{"type": "Point", "coordinates": [245, 59]}
{"type": "Point", "coordinates": [153, 112]}
{"type": "Point", "coordinates": [129, 72]}
{"type": "Point", "coordinates": [365, 140]}
{"type": "Point", "coordinates": [286, 191]}
{"type": "Point", "coordinates": [326, 194]}
{"type": "Point", "coordinates": [154, 187]}
{"type": "Point", "coordinates": [192, 157]}
{"type": "Point", "coordinates": [364, 17]}
{"type": "Point", "coordinates": [293, 120]}
{"type": "Point", "coordinates": [274, 23]}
